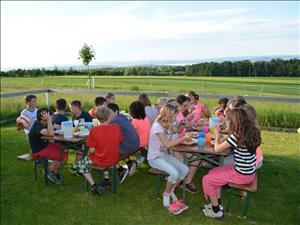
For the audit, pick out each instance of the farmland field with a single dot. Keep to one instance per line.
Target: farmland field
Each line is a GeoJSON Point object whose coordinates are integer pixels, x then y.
{"type": "Point", "coordinates": [276, 114]}
{"type": "Point", "coordinates": [281, 87]}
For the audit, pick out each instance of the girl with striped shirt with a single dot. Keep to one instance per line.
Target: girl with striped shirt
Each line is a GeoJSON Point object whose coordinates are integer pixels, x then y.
{"type": "Point", "coordinates": [244, 138]}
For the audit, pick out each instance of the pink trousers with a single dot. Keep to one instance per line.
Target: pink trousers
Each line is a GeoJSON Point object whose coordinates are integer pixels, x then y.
{"type": "Point", "coordinates": [220, 176]}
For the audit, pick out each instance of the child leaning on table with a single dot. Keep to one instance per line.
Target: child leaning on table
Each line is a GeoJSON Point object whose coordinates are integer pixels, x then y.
{"type": "Point", "coordinates": [244, 138]}
{"type": "Point", "coordinates": [160, 158]}
{"type": "Point", "coordinates": [43, 148]}
{"type": "Point", "coordinates": [103, 142]}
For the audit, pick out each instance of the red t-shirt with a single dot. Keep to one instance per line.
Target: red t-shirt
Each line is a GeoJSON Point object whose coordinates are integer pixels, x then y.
{"type": "Point", "coordinates": [106, 140]}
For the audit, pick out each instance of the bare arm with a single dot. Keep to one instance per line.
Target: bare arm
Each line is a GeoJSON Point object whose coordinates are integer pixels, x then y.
{"type": "Point", "coordinates": [49, 130]}
{"type": "Point", "coordinates": [91, 150]}
{"type": "Point", "coordinates": [170, 144]}
{"type": "Point", "coordinates": [220, 146]}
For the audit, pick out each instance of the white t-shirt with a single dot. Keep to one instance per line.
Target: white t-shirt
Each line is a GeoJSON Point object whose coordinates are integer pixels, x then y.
{"type": "Point", "coordinates": [156, 147]}
{"type": "Point", "coordinates": [31, 115]}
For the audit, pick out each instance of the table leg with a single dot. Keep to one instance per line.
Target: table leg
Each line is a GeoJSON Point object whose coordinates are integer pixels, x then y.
{"type": "Point", "coordinates": [61, 164]}
{"type": "Point", "coordinates": [185, 160]}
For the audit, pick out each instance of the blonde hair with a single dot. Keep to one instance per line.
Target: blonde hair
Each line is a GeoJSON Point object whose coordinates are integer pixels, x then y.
{"type": "Point", "coordinates": [166, 114]}
{"type": "Point", "coordinates": [162, 101]}
{"type": "Point", "coordinates": [103, 113]}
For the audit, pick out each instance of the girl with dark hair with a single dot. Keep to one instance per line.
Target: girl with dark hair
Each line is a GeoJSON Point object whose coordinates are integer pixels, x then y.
{"type": "Point", "coordinates": [244, 138]}
{"type": "Point", "coordinates": [142, 126]}
{"type": "Point", "coordinates": [196, 109]}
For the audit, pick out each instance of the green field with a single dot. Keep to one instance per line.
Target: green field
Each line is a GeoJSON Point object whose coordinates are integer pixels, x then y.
{"type": "Point", "coordinates": [284, 87]}
{"type": "Point", "coordinates": [275, 114]}
{"type": "Point", "coordinates": [26, 202]}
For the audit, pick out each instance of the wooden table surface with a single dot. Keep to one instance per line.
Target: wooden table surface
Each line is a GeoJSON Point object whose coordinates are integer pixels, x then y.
{"type": "Point", "coordinates": [56, 137]}
{"type": "Point", "coordinates": [207, 149]}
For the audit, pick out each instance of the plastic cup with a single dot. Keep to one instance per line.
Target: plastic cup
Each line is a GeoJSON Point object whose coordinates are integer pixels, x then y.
{"type": "Point", "coordinates": [201, 134]}
{"type": "Point", "coordinates": [201, 142]}
{"type": "Point", "coordinates": [214, 122]}
{"type": "Point", "coordinates": [208, 138]}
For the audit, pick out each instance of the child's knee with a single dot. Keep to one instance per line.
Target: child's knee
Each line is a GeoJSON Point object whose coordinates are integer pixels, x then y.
{"type": "Point", "coordinates": [173, 177]}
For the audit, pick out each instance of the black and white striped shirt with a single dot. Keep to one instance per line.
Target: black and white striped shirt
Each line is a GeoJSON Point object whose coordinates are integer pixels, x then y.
{"type": "Point", "coordinates": [244, 161]}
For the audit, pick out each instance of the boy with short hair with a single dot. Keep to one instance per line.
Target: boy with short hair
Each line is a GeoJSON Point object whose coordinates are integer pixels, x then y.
{"type": "Point", "coordinates": [110, 98]}
{"type": "Point", "coordinates": [78, 114]}
{"type": "Point", "coordinates": [98, 102]}
{"type": "Point", "coordinates": [130, 141]}
{"type": "Point", "coordinates": [30, 111]}
{"type": "Point", "coordinates": [43, 148]}
{"type": "Point", "coordinates": [59, 115]}
{"type": "Point", "coordinates": [103, 143]}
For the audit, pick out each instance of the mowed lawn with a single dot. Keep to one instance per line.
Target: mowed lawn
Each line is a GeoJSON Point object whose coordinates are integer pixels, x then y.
{"type": "Point", "coordinates": [25, 202]}
{"type": "Point", "coordinates": [264, 86]}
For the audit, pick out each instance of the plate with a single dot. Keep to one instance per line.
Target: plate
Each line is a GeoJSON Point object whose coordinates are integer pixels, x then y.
{"type": "Point", "coordinates": [192, 134]}
{"type": "Point", "coordinates": [59, 131]}
{"type": "Point", "coordinates": [82, 133]}
{"type": "Point", "coordinates": [193, 141]}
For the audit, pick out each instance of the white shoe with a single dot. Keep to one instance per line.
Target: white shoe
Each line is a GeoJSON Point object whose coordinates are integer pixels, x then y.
{"type": "Point", "coordinates": [210, 213]}
{"type": "Point", "coordinates": [208, 206]}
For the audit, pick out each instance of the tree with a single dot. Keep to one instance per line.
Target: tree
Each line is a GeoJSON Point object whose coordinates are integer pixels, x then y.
{"type": "Point", "coordinates": [87, 54]}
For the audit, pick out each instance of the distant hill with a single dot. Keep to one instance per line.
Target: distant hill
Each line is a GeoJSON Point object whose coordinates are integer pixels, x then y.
{"type": "Point", "coordinates": [158, 63]}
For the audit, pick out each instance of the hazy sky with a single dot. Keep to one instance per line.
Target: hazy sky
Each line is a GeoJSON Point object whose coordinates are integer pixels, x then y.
{"type": "Point", "coordinates": [51, 33]}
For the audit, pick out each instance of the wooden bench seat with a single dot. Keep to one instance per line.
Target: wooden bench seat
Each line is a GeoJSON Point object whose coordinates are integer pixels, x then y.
{"type": "Point", "coordinates": [251, 187]}
{"type": "Point", "coordinates": [157, 172]}
{"type": "Point", "coordinates": [94, 167]}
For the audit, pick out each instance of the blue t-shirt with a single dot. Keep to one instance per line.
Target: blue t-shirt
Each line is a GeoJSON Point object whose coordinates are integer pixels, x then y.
{"type": "Point", "coordinates": [84, 115]}
{"type": "Point", "coordinates": [59, 118]}
{"type": "Point", "coordinates": [131, 140]}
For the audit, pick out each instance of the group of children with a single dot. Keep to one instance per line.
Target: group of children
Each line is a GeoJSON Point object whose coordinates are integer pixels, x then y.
{"type": "Point", "coordinates": [153, 130]}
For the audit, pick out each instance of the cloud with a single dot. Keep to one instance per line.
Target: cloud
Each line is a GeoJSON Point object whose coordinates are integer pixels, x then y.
{"type": "Point", "coordinates": [29, 41]}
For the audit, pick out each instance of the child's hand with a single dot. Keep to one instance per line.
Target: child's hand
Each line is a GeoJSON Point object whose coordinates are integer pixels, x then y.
{"type": "Point", "coordinates": [45, 116]}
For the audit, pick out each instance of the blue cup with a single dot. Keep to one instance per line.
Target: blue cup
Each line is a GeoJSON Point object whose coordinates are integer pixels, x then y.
{"type": "Point", "coordinates": [202, 134]}
{"type": "Point", "coordinates": [89, 125]}
{"type": "Point", "coordinates": [201, 142]}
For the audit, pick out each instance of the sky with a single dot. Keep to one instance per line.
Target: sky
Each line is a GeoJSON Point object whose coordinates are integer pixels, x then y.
{"type": "Point", "coordinates": [41, 33]}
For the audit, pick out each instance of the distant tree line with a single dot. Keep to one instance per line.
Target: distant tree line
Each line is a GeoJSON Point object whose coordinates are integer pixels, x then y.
{"type": "Point", "coordinates": [245, 68]}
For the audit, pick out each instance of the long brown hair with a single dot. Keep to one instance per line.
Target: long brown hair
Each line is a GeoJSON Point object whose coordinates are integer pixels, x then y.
{"type": "Point", "coordinates": [244, 129]}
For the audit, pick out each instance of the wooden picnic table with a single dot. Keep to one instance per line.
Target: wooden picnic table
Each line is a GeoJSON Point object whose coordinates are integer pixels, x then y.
{"type": "Point", "coordinates": [206, 153]}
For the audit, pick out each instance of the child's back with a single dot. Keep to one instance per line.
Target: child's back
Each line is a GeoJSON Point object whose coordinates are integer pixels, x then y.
{"type": "Point", "coordinates": [142, 127]}
{"type": "Point", "coordinates": [106, 140]}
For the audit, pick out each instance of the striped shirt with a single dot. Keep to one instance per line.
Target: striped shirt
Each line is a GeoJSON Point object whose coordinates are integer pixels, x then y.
{"type": "Point", "coordinates": [244, 161]}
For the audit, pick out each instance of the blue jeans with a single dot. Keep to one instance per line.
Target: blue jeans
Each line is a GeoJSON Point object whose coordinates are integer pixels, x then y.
{"type": "Point", "coordinates": [172, 166]}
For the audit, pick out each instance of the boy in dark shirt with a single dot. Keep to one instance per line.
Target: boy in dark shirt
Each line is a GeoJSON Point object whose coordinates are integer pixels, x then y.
{"type": "Point", "coordinates": [42, 148]}
{"type": "Point", "coordinates": [130, 141]}
{"type": "Point", "coordinates": [59, 115]}
{"type": "Point", "coordinates": [81, 117]}
{"type": "Point", "coordinates": [78, 114]}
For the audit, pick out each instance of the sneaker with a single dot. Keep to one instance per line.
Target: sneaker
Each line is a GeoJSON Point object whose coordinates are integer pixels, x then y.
{"type": "Point", "coordinates": [74, 171]}
{"type": "Point", "coordinates": [123, 174]}
{"type": "Point", "coordinates": [208, 206]}
{"type": "Point", "coordinates": [139, 161]}
{"type": "Point", "coordinates": [181, 204]}
{"type": "Point", "coordinates": [131, 168]}
{"type": "Point", "coordinates": [190, 188]}
{"type": "Point", "coordinates": [210, 213]}
{"type": "Point", "coordinates": [174, 209]}
{"type": "Point", "coordinates": [98, 190]}
{"type": "Point", "coordinates": [52, 177]}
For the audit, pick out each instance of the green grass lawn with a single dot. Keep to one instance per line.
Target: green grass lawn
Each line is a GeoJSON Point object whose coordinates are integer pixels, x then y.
{"type": "Point", "coordinates": [265, 86]}
{"type": "Point", "coordinates": [25, 202]}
